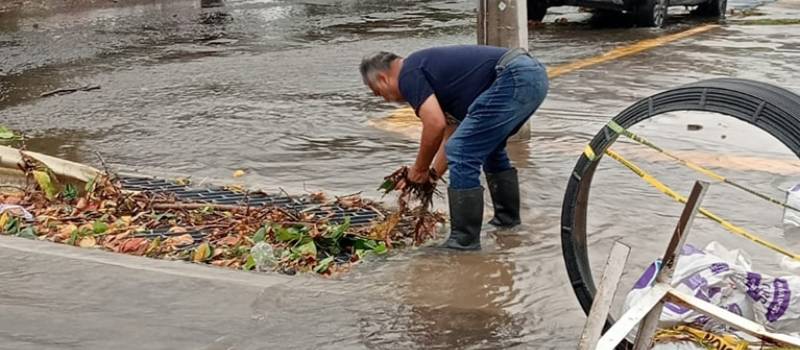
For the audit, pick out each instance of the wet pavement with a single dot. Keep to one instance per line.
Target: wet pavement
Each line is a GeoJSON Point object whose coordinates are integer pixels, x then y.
{"type": "Point", "coordinates": [272, 87]}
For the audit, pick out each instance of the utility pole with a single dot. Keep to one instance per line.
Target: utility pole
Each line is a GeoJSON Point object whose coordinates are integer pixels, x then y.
{"type": "Point", "coordinates": [504, 23]}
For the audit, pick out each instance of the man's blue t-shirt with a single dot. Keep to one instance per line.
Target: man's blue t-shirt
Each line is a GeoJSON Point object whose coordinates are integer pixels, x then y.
{"type": "Point", "coordinates": [456, 74]}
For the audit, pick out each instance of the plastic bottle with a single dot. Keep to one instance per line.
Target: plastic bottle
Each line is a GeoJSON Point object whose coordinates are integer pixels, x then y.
{"type": "Point", "coordinates": [263, 256]}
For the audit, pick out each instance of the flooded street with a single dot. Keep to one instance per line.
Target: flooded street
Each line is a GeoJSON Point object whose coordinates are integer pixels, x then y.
{"type": "Point", "coordinates": [272, 87]}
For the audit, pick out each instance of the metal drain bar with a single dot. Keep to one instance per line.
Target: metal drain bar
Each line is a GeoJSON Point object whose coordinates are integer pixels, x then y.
{"type": "Point", "coordinates": [223, 196]}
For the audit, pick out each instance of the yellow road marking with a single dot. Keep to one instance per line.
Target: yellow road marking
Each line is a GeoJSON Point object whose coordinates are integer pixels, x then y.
{"type": "Point", "coordinates": [404, 120]}
{"type": "Point", "coordinates": [627, 51]}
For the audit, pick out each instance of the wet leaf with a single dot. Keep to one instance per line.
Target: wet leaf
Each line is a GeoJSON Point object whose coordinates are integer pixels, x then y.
{"type": "Point", "coordinates": [337, 232]}
{"type": "Point", "coordinates": [249, 264]}
{"type": "Point", "coordinates": [99, 227]}
{"type": "Point", "coordinates": [183, 181]}
{"type": "Point", "coordinates": [283, 234]}
{"type": "Point", "coordinates": [64, 231]}
{"type": "Point", "coordinates": [323, 265]}
{"type": "Point", "coordinates": [82, 204]}
{"type": "Point", "coordinates": [6, 134]}
{"type": "Point", "coordinates": [28, 232]}
{"type": "Point", "coordinates": [135, 246]}
{"type": "Point", "coordinates": [179, 241]}
{"type": "Point", "coordinates": [380, 249]}
{"type": "Point", "coordinates": [45, 183]}
{"type": "Point", "coordinates": [260, 235]}
{"type": "Point", "coordinates": [153, 247]}
{"type": "Point", "coordinates": [202, 253]}
{"type": "Point", "coordinates": [87, 242]}
{"type": "Point", "coordinates": [360, 253]}
{"type": "Point", "coordinates": [307, 249]}
{"type": "Point", "coordinates": [12, 226]}
{"type": "Point", "coordinates": [70, 193]}
{"type": "Point", "coordinates": [387, 186]}
{"type": "Point", "coordinates": [3, 220]}
{"type": "Point", "coordinates": [73, 237]}
{"type": "Point", "coordinates": [238, 173]}
{"type": "Point", "coordinates": [90, 185]}
{"type": "Point", "coordinates": [177, 229]}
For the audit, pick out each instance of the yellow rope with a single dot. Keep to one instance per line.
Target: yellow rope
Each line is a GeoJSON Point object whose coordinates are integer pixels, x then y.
{"type": "Point", "coordinates": [698, 168]}
{"type": "Point", "coordinates": [680, 198]}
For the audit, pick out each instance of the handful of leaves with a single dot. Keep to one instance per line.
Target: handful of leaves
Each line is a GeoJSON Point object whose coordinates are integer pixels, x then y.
{"type": "Point", "coordinates": [424, 220]}
{"type": "Point", "coordinates": [422, 192]}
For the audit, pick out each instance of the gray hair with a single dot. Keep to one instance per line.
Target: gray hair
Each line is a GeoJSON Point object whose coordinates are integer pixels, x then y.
{"type": "Point", "coordinates": [375, 63]}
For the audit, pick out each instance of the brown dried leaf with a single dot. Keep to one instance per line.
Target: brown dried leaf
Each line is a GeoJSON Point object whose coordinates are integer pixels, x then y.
{"type": "Point", "coordinates": [134, 246]}
{"type": "Point", "coordinates": [64, 231]}
{"type": "Point", "coordinates": [177, 229]}
{"type": "Point", "coordinates": [230, 240]}
{"type": "Point", "coordinates": [87, 242]}
{"type": "Point", "coordinates": [179, 241]}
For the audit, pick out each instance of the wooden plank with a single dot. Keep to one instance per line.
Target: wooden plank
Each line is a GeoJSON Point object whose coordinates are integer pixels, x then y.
{"type": "Point", "coordinates": [648, 327]}
{"type": "Point", "coordinates": [612, 274]}
{"type": "Point", "coordinates": [730, 318]}
{"type": "Point", "coordinates": [625, 324]}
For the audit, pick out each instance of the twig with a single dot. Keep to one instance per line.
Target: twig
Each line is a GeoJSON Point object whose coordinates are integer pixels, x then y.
{"type": "Point", "coordinates": [190, 206]}
{"type": "Point", "coordinates": [103, 162]}
{"type": "Point", "coordinates": [349, 195]}
{"type": "Point", "coordinates": [14, 187]}
{"type": "Point", "coordinates": [296, 202]}
{"type": "Point", "coordinates": [70, 90]}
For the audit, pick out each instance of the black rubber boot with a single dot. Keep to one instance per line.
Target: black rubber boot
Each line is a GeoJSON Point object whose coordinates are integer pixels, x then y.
{"type": "Point", "coordinates": [504, 189]}
{"type": "Point", "coordinates": [466, 215]}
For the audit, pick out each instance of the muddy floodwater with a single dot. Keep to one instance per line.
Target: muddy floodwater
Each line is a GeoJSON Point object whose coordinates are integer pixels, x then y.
{"type": "Point", "coordinates": [272, 87]}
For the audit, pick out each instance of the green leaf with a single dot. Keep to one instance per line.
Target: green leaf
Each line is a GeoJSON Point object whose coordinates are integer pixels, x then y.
{"type": "Point", "coordinates": [260, 235]}
{"type": "Point", "coordinates": [360, 253]}
{"type": "Point", "coordinates": [12, 226]}
{"type": "Point", "coordinates": [202, 253]}
{"type": "Point", "coordinates": [29, 233]}
{"type": "Point", "coordinates": [287, 234]}
{"type": "Point", "coordinates": [380, 249]}
{"type": "Point", "coordinates": [307, 249]}
{"type": "Point", "coordinates": [45, 183]}
{"type": "Point", "coordinates": [387, 186]}
{"type": "Point", "coordinates": [99, 227]}
{"type": "Point", "coordinates": [365, 244]}
{"type": "Point", "coordinates": [337, 232]}
{"type": "Point", "coordinates": [250, 263]}
{"type": "Point", "coordinates": [323, 265]}
{"type": "Point", "coordinates": [73, 237]}
{"type": "Point", "coordinates": [70, 192]}
{"type": "Point", "coordinates": [7, 134]}
{"type": "Point", "coordinates": [90, 184]}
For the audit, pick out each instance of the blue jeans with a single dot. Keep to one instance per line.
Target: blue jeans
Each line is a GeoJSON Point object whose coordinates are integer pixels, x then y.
{"type": "Point", "coordinates": [497, 114]}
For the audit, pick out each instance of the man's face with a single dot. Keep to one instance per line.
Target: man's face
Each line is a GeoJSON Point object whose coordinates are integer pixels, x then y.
{"type": "Point", "coordinates": [385, 86]}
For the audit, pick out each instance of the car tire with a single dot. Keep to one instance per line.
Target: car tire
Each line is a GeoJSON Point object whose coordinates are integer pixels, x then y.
{"type": "Point", "coordinates": [713, 8]}
{"type": "Point", "coordinates": [537, 9]}
{"type": "Point", "coordinates": [652, 13]}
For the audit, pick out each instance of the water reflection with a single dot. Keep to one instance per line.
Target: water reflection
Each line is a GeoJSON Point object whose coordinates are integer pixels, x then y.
{"type": "Point", "coordinates": [451, 300]}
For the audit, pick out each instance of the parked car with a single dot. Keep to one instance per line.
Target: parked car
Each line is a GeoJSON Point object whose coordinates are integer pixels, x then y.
{"type": "Point", "coordinates": [650, 13]}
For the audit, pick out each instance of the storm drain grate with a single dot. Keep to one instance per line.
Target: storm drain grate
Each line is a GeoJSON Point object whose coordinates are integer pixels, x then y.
{"type": "Point", "coordinates": [223, 196]}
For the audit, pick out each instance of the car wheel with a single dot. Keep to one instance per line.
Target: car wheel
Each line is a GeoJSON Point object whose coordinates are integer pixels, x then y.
{"type": "Point", "coordinates": [714, 8]}
{"type": "Point", "coordinates": [652, 13]}
{"type": "Point", "coordinates": [537, 9]}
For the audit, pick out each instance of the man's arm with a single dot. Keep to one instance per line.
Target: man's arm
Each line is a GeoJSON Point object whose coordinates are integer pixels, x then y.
{"type": "Point", "coordinates": [440, 162]}
{"type": "Point", "coordinates": [433, 127]}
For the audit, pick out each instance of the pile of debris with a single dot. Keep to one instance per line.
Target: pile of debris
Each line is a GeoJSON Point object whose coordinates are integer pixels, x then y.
{"type": "Point", "coordinates": [102, 214]}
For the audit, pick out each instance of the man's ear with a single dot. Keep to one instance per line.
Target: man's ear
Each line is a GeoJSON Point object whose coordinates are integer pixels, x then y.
{"type": "Point", "coordinates": [383, 78]}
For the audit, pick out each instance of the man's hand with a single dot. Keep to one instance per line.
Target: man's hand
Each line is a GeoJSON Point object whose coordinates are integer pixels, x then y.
{"type": "Point", "coordinates": [419, 176]}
